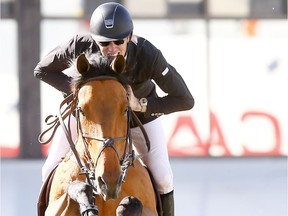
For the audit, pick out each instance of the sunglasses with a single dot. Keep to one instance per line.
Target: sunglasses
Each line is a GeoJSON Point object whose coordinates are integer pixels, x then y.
{"type": "Point", "coordinates": [118, 42]}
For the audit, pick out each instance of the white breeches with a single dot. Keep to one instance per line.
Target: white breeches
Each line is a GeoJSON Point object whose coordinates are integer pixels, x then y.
{"type": "Point", "coordinates": [156, 159]}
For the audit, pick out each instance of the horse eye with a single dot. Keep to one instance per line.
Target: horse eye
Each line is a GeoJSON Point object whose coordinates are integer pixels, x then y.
{"type": "Point", "coordinates": [126, 110]}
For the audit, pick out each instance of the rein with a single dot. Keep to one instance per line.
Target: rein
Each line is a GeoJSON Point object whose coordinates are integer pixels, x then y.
{"type": "Point", "coordinates": [71, 100]}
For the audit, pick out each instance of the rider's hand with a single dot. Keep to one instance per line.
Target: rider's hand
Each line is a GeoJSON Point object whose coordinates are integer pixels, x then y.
{"type": "Point", "coordinates": [133, 101]}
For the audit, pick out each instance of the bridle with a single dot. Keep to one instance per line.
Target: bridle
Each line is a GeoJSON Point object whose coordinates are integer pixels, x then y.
{"type": "Point", "coordinates": [68, 107]}
{"type": "Point", "coordinates": [128, 155]}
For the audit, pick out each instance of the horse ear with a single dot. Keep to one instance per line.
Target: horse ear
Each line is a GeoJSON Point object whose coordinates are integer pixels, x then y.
{"type": "Point", "coordinates": [83, 64]}
{"type": "Point", "coordinates": [118, 64]}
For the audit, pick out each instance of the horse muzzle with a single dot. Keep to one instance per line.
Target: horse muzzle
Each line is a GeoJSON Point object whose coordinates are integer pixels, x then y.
{"type": "Point", "coordinates": [109, 189]}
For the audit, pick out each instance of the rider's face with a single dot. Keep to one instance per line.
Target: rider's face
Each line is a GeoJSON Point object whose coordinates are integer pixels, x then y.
{"type": "Point", "coordinates": [114, 48]}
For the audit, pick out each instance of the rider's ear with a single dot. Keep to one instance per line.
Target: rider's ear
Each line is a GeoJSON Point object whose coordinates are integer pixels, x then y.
{"type": "Point", "coordinates": [83, 64]}
{"type": "Point", "coordinates": [118, 64]}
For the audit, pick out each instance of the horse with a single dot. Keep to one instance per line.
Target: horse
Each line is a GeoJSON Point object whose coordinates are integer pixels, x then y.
{"type": "Point", "coordinates": [102, 157]}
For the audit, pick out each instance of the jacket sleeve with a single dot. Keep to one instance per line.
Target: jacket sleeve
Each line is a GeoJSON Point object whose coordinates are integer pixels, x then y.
{"type": "Point", "coordinates": [178, 96]}
{"type": "Point", "coordinates": [50, 68]}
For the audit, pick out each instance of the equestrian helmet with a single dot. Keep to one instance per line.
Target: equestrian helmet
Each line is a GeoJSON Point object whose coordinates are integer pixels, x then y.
{"type": "Point", "coordinates": [110, 21]}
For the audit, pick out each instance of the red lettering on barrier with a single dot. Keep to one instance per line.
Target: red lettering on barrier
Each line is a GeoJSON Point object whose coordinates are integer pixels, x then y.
{"type": "Point", "coordinates": [215, 145]}
{"type": "Point", "coordinates": [216, 137]}
{"type": "Point", "coordinates": [277, 146]}
{"type": "Point", "coordinates": [199, 148]}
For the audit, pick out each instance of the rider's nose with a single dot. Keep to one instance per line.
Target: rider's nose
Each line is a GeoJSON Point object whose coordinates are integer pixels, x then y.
{"type": "Point", "coordinates": [112, 48]}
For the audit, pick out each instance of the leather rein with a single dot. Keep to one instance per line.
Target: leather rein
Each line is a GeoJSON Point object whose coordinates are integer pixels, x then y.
{"type": "Point", "coordinates": [69, 107]}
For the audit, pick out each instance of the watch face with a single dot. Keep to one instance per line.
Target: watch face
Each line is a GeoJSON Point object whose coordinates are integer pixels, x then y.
{"type": "Point", "coordinates": [143, 101]}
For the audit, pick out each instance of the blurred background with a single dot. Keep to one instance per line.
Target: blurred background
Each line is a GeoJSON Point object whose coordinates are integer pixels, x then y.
{"type": "Point", "coordinates": [228, 154]}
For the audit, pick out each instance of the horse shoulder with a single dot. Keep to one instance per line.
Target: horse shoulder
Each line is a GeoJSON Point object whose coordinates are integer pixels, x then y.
{"type": "Point", "coordinates": [139, 184]}
{"type": "Point", "coordinates": [66, 172]}
{"type": "Point", "coordinates": [62, 206]}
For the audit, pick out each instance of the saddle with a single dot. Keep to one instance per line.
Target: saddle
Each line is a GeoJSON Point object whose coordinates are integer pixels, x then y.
{"type": "Point", "coordinates": [43, 198]}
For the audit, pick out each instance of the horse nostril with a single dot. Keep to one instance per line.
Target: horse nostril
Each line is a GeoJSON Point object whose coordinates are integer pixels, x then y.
{"type": "Point", "coordinates": [101, 182]}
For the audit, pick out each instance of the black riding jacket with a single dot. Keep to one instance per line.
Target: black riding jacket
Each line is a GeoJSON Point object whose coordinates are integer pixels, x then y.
{"type": "Point", "coordinates": [144, 63]}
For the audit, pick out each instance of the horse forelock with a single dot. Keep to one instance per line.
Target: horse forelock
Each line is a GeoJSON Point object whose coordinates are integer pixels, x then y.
{"type": "Point", "coordinates": [100, 66]}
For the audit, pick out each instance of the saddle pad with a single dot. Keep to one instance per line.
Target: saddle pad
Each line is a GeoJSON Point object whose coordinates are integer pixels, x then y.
{"type": "Point", "coordinates": [43, 198]}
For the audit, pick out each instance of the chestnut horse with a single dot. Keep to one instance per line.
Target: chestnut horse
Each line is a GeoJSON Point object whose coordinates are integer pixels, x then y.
{"type": "Point", "coordinates": [102, 156]}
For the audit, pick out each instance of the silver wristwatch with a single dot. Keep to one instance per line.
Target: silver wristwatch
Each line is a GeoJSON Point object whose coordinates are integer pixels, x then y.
{"type": "Point", "coordinates": [143, 102]}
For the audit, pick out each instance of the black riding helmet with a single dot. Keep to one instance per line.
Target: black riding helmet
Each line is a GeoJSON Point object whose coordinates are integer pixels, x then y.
{"type": "Point", "coordinates": [110, 21]}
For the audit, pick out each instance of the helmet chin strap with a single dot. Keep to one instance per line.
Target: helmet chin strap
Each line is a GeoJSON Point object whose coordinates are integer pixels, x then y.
{"type": "Point", "coordinates": [126, 53]}
{"type": "Point", "coordinates": [130, 37]}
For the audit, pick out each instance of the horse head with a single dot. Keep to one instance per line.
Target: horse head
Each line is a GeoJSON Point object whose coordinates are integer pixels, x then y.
{"type": "Point", "coordinates": [102, 120]}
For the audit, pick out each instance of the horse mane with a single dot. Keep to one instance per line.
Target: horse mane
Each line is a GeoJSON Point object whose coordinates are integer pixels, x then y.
{"type": "Point", "coordinates": [99, 66]}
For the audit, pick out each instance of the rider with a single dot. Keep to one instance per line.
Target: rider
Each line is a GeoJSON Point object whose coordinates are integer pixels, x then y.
{"type": "Point", "coordinates": [111, 33]}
